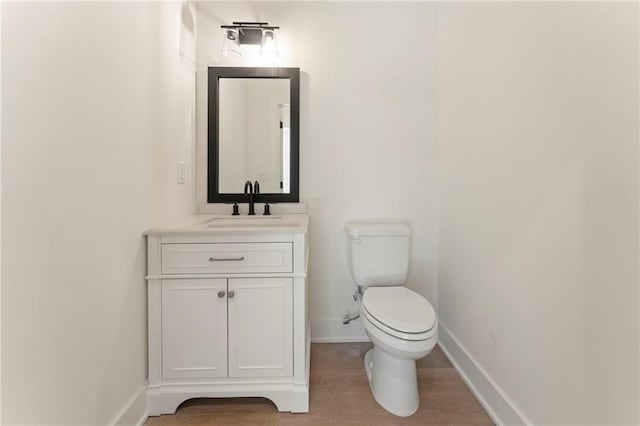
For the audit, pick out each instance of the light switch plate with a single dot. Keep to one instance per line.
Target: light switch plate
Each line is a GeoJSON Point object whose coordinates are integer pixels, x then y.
{"type": "Point", "coordinates": [180, 173]}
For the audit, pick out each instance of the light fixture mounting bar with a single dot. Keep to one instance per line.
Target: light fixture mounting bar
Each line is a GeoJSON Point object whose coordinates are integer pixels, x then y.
{"type": "Point", "coordinates": [251, 25]}
{"type": "Point", "coordinates": [250, 32]}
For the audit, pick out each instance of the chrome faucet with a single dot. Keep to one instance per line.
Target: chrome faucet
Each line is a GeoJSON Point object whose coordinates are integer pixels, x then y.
{"type": "Point", "coordinates": [248, 186]}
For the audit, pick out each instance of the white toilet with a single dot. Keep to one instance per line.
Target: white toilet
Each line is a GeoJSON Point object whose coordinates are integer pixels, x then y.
{"type": "Point", "coordinates": [401, 323]}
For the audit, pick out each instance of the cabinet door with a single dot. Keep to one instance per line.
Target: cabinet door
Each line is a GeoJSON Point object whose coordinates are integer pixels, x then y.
{"type": "Point", "coordinates": [260, 327]}
{"type": "Point", "coordinates": [194, 328]}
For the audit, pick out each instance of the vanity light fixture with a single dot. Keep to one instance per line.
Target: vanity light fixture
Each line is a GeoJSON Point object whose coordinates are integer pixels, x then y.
{"type": "Point", "coordinates": [250, 33]}
{"type": "Point", "coordinates": [269, 45]}
{"type": "Point", "coordinates": [231, 43]}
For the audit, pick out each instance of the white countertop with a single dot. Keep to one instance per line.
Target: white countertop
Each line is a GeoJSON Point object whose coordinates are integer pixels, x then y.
{"type": "Point", "coordinates": [217, 224]}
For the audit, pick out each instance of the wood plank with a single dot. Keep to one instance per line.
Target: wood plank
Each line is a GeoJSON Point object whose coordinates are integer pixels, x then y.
{"type": "Point", "coordinates": [340, 395]}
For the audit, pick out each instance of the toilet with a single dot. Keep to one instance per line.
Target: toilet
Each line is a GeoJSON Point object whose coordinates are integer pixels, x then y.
{"type": "Point", "coordinates": [401, 323]}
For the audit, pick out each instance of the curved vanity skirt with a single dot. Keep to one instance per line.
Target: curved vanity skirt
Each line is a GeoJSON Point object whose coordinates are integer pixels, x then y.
{"type": "Point", "coordinates": [391, 368]}
{"type": "Point", "coordinates": [286, 397]}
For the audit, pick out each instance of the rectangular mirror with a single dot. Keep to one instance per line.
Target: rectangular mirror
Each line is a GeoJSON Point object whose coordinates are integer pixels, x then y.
{"type": "Point", "coordinates": [253, 133]}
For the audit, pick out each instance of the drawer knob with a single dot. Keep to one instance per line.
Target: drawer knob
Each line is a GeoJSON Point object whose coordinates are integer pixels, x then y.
{"type": "Point", "coordinates": [226, 259]}
{"type": "Point", "coordinates": [231, 294]}
{"type": "Point", "coordinates": [221, 294]}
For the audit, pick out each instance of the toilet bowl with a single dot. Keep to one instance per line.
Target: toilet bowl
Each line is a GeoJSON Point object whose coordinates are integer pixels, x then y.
{"type": "Point", "coordinates": [400, 322]}
{"type": "Point", "coordinates": [400, 337]}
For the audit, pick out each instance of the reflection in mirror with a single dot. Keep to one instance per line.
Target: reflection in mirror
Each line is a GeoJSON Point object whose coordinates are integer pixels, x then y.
{"type": "Point", "coordinates": [285, 143]}
{"type": "Point", "coordinates": [254, 134]}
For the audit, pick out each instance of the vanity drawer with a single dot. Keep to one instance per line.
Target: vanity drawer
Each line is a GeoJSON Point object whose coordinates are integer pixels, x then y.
{"type": "Point", "coordinates": [230, 258]}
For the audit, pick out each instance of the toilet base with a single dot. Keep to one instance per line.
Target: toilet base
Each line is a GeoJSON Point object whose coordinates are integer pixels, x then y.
{"type": "Point", "coordinates": [393, 382]}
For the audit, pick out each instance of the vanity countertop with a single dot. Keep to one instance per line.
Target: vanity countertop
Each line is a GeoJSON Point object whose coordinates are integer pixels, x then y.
{"type": "Point", "coordinates": [217, 224]}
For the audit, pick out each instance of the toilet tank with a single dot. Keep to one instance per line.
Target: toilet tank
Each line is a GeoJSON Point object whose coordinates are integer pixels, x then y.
{"type": "Point", "coordinates": [378, 252]}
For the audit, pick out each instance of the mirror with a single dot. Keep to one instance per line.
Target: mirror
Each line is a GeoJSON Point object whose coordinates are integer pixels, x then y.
{"type": "Point", "coordinates": [253, 133]}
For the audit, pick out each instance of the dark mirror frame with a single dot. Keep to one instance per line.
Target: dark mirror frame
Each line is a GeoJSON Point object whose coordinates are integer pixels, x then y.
{"type": "Point", "coordinates": [213, 187]}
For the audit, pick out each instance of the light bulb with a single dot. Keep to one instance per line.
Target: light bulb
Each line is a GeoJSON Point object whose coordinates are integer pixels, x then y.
{"type": "Point", "coordinates": [231, 42]}
{"type": "Point", "coordinates": [269, 46]}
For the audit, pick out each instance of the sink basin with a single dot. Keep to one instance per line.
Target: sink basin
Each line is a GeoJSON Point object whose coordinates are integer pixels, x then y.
{"type": "Point", "coordinates": [246, 221]}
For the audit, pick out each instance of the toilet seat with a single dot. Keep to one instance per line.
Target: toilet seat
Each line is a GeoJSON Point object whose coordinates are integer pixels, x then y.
{"type": "Point", "coordinates": [399, 312]}
{"type": "Point", "coordinates": [408, 337]}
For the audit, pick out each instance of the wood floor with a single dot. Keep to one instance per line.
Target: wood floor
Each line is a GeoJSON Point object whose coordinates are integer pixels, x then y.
{"type": "Point", "coordinates": [340, 395]}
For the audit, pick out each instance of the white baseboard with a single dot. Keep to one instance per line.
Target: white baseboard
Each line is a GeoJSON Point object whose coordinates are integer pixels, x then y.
{"type": "Point", "coordinates": [134, 412]}
{"type": "Point", "coordinates": [501, 409]}
{"type": "Point", "coordinates": [333, 331]}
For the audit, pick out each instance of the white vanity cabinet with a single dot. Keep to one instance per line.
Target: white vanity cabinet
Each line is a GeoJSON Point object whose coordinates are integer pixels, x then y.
{"type": "Point", "coordinates": [228, 315]}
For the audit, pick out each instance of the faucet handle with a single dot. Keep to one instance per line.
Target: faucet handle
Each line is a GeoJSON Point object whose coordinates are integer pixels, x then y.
{"type": "Point", "coordinates": [256, 187]}
{"type": "Point", "coordinates": [267, 211]}
{"type": "Point", "coordinates": [235, 210]}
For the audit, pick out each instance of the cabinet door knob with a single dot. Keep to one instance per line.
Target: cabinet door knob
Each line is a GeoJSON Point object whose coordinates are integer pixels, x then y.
{"type": "Point", "coordinates": [221, 294]}
{"type": "Point", "coordinates": [231, 294]}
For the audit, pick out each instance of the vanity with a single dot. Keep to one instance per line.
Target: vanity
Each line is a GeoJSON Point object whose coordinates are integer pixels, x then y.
{"type": "Point", "coordinates": [227, 302]}
{"type": "Point", "coordinates": [227, 294]}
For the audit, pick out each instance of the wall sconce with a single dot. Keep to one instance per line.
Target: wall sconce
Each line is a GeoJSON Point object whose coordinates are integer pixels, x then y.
{"type": "Point", "coordinates": [250, 33]}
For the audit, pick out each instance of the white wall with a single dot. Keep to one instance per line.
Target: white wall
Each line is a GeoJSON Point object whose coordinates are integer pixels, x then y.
{"type": "Point", "coordinates": [367, 141]}
{"type": "Point", "coordinates": [0, 218]}
{"type": "Point", "coordinates": [96, 109]}
{"type": "Point", "coordinates": [537, 134]}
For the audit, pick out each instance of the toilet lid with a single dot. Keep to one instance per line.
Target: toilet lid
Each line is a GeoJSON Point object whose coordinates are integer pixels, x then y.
{"type": "Point", "coordinates": [400, 309]}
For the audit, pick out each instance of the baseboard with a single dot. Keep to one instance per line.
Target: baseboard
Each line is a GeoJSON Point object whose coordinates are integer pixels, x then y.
{"type": "Point", "coordinates": [333, 331]}
{"type": "Point", "coordinates": [501, 409]}
{"type": "Point", "coordinates": [134, 412]}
